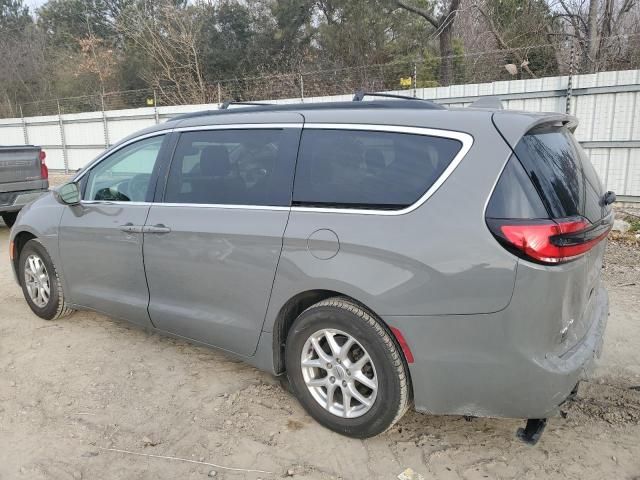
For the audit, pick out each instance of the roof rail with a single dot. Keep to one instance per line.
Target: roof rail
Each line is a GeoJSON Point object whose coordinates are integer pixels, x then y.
{"type": "Point", "coordinates": [488, 102]}
{"type": "Point", "coordinates": [226, 104]}
{"type": "Point", "coordinates": [359, 97]}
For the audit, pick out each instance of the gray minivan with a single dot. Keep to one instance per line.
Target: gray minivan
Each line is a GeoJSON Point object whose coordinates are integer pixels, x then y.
{"type": "Point", "coordinates": [380, 254]}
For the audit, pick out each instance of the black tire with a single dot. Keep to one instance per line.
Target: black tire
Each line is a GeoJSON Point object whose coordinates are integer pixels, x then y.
{"type": "Point", "coordinates": [9, 218]}
{"type": "Point", "coordinates": [55, 307]}
{"type": "Point", "coordinates": [393, 392]}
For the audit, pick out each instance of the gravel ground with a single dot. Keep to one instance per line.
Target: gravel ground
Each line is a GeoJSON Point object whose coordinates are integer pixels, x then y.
{"type": "Point", "coordinates": [76, 394]}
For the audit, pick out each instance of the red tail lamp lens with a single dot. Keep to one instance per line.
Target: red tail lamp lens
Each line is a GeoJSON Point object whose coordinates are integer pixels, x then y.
{"type": "Point", "coordinates": [44, 170]}
{"type": "Point", "coordinates": [548, 241]}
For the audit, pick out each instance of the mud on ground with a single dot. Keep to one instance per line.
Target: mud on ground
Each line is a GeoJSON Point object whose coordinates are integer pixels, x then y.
{"type": "Point", "coordinates": [74, 391]}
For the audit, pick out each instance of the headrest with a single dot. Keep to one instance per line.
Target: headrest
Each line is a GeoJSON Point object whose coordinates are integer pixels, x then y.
{"type": "Point", "coordinates": [214, 161]}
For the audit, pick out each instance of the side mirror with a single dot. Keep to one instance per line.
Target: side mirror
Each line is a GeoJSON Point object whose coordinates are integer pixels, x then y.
{"type": "Point", "coordinates": [68, 194]}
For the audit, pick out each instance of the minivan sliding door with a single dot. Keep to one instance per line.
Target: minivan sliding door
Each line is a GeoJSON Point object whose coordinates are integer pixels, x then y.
{"type": "Point", "coordinates": [211, 246]}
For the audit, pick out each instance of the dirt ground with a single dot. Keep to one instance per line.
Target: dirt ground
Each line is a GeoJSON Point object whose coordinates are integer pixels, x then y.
{"type": "Point", "coordinates": [76, 393]}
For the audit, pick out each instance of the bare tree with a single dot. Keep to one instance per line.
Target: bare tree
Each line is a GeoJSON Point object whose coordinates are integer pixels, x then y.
{"type": "Point", "coordinates": [443, 23]}
{"type": "Point", "coordinates": [169, 35]}
{"type": "Point", "coordinates": [596, 29]}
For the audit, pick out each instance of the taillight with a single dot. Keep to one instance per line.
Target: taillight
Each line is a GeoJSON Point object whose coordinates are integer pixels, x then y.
{"type": "Point", "coordinates": [44, 171]}
{"type": "Point", "coordinates": [549, 241]}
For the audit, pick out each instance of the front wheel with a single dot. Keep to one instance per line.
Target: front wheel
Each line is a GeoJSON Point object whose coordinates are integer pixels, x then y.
{"type": "Point", "coordinates": [40, 282]}
{"type": "Point", "coordinates": [346, 370]}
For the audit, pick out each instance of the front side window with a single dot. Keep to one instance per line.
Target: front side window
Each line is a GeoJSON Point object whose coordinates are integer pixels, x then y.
{"type": "Point", "coordinates": [233, 167]}
{"type": "Point", "coordinates": [368, 169]}
{"type": "Point", "coordinates": [125, 175]}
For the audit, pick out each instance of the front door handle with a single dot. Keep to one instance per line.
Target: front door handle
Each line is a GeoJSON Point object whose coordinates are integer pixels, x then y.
{"type": "Point", "coordinates": [131, 228]}
{"type": "Point", "coordinates": [159, 228]}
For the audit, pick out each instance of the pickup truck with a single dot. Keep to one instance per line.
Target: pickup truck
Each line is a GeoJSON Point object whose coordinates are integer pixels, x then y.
{"type": "Point", "coordinates": [24, 176]}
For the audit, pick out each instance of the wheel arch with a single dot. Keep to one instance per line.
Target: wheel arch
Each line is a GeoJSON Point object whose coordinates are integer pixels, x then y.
{"type": "Point", "coordinates": [290, 311]}
{"type": "Point", "coordinates": [19, 241]}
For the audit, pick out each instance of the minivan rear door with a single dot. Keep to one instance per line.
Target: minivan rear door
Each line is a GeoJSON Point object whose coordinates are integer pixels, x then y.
{"type": "Point", "coordinates": [569, 189]}
{"type": "Point", "coordinates": [213, 238]}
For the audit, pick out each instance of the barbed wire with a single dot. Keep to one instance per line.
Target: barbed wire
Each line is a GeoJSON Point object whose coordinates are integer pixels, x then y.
{"type": "Point", "coordinates": [402, 74]}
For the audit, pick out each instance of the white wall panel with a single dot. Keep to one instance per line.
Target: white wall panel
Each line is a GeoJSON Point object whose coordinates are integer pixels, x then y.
{"type": "Point", "coordinates": [10, 135]}
{"type": "Point", "coordinates": [84, 133]}
{"type": "Point", "coordinates": [603, 117]}
{"type": "Point", "coordinates": [44, 134]}
{"type": "Point", "coordinates": [79, 157]}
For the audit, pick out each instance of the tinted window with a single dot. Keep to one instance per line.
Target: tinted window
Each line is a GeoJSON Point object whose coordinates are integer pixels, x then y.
{"type": "Point", "coordinates": [366, 169]}
{"type": "Point", "coordinates": [126, 174]}
{"type": "Point", "coordinates": [515, 195]}
{"type": "Point", "coordinates": [561, 172]}
{"type": "Point", "coordinates": [233, 167]}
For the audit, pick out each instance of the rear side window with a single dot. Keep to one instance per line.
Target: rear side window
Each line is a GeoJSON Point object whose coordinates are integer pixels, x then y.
{"type": "Point", "coordinates": [561, 172]}
{"type": "Point", "coordinates": [515, 195]}
{"type": "Point", "coordinates": [233, 167]}
{"type": "Point", "coordinates": [367, 169]}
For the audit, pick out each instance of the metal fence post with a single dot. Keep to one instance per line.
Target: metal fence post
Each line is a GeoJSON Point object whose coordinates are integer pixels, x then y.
{"type": "Point", "coordinates": [62, 140]}
{"type": "Point", "coordinates": [219, 94]}
{"type": "Point", "coordinates": [105, 125]}
{"type": "Point", "coordinates": [415, 80]}
{"type": "Point", "coordinates": [24, 128]}
{"type": "Point", "coordinates": [155, 107]}
{"type": "Point", "coordinates": [301, 88]}
{"type": "Point", "coordinates": [567, 107]}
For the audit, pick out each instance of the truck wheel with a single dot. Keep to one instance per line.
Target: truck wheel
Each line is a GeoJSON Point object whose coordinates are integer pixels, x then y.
{"type": "Point", "coordinates": [346, 369]}
{"type": "Point", "coordinates": [40, 282]}
{"type": "Point", "coordinates": [9, 218]}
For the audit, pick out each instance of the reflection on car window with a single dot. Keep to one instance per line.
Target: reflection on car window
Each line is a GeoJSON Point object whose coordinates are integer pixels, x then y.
{"type": "Point", "coordinates": [125, 175]}
{"type": "Point", "coordinates": [366, 169]}
{"type": "Point", "coordinates": [561, 172]}
{"type": "Point", "coordinates": [233, 167]}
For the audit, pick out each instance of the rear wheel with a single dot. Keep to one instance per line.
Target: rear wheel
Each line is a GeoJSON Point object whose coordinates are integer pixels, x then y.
{"type": "Point", "coordinates": [9, 218]}
{"type": "Point", "coordinates": [40, 282]}
{"type": "Point", "coordinates": [346, 369]}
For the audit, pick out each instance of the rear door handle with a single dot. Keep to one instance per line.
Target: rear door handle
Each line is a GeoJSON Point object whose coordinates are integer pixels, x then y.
{"type": "Point", "coordinates": [131, 228]}
{"type": "Point", "coordinates": [159, 228]}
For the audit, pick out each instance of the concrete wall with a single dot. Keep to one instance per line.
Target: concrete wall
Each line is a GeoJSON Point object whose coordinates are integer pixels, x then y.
{"type": "Point", "coordinates": [606, 104]}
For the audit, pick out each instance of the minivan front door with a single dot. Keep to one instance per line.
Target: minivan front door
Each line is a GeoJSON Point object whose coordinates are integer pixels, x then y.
{"type": "Point", "coordinates": [101, 239]}
{"type": "Point", "coordinates": [211, 247]}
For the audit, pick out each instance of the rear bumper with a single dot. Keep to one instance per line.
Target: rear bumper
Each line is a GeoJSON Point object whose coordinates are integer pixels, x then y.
{"type": "Point", "coordinates": [481, 365]}
{"type": "Point", "coordinates": [14, 201]}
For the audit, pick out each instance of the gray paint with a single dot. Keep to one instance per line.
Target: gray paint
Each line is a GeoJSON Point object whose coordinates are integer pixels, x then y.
{"type": "Point", "coordinates": [484, 342]}
{"type": "Point", "coordinates": [103, 264]}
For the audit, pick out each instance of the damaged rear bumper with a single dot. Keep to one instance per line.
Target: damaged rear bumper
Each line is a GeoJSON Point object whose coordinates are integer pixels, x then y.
{"type": "Point", "coordinates": [484, 365]}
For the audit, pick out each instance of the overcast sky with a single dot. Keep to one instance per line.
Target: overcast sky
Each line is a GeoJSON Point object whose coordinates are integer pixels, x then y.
{"type": "Point", "coordinates": [34, 4]}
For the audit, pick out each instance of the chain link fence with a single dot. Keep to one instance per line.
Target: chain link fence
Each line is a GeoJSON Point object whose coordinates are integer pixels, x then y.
{"type": "Point", "coordinates": [536, 61]}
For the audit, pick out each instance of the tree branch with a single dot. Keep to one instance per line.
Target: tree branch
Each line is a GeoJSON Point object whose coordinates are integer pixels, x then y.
{"type": "Point", "coordinates": [419, 11]}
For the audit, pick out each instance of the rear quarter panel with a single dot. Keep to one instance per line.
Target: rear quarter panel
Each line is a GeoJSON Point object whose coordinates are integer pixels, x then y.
{"type": "Point", "coordinates": [438, 259]}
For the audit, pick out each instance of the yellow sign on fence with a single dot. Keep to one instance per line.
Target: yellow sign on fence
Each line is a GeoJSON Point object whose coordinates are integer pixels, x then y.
{"type": "Point", "coordinates": [150, 102]}
{"type": "Point", "coordinates": [406, 81]}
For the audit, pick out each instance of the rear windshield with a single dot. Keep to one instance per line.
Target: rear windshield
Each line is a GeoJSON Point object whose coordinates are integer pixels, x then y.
{"type": "Point", "coordinates": [367, 169]}
{"type": "Point", "coordinates": [561, 172]}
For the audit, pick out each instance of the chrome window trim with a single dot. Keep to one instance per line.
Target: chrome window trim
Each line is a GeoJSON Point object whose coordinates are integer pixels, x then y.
{"type": "Point", "coordinates": [109, 152]}
{"type": "Point", "coordinates": [240, 126]}
{"type": "Point", "coordinates": [465, 138]}
{"type": "Point", "coordinates": [110, 202]}
{"type": "Point", "coordinates": [222, 206]}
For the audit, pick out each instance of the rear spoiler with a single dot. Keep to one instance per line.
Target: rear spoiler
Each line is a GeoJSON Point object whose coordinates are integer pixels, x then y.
{"type": "Point", "coordinates": [513, 125]}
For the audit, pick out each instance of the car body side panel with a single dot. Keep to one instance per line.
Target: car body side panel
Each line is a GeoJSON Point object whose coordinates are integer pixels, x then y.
{"type": "Point", "coordinates": [437, 259]}
{"type": "Point", "coordinates": [500, 364]}
{"type": "Point", "coordinates": [41, 219]}
{"type": "Point", "coordinates": [102, 263]}
{"type": "Point", "coordinates": [210, 278]}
